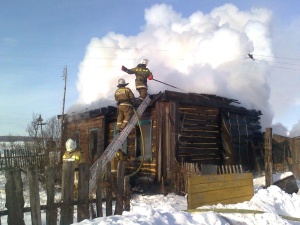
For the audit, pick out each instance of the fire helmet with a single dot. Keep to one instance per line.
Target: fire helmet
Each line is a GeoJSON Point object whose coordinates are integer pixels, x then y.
{"type": "Point", "coordinates": [122, 82]}
{"type": "Point", "coordinates": [144, 62]}
{"type": "Point", "coordinates": [70, 145]}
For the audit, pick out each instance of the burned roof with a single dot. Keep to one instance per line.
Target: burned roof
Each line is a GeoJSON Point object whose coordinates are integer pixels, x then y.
{"type": "Point", "coordinates": [207, 100]}
{"type": "Point", "coordinates": [199, 99]}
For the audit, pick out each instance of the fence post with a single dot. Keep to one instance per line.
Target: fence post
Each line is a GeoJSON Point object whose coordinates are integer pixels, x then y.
{"type": "Point", "coordinates": [51, 212]}
{"type": "Point", "coordinates": [127, 194]}
{"type": "Point", "coordinates": [120, 188]}
{"type": "Point", "coordinates": [268, 157]}
{"type": "Point", "coordinates": [34, 194]}
{"type": "Point", "coordinates": [67, 207]}
{"type": "Point", "coordinates": [14, 197]}
{"type": "Point", "coordinates": [108, 190]}
{"type": "Point", "coordinates": [83, 192]}
{"type": "Point", "coordinates": [99, 191]}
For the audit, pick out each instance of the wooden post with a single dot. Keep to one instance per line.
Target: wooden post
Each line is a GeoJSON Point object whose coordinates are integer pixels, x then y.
{"type": "Point", "coordinates": [67, 192]}
{"type": "Point", "coordinates": [127, 193]}
{"type": "Point", "coordinates": [51, 213]}
{"type": "Point", "coordinates": [83, 192]}
{"type": "Point", "coordinates": [108, 190]}
{"type": "Point", "coordinates": [14, 197]}
{"type": "Point", "coordinates": [120, 188]}
{"type": "Point", "coordinates": [99, 191]}
{"type": "Point", "coordinates": [268, 157]}
{"type": "Point", "coordinates": [34, 194]}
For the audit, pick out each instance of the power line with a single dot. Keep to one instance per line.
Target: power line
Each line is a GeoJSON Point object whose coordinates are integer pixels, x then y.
{"type": "Point", "coordinates": [251, 56]}
{"type": "Point", "coordinates": [275, 57]}
{"type": "Point", "coordinates": [292, 64]}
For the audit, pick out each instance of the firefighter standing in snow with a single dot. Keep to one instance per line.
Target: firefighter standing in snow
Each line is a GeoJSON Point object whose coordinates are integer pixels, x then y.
{"type": "Point", "coordinates": [142, 73]}
{"type": "Point", "coordinates": [124, 98]}
{"type": "Point", "coordinates": [75, 154]}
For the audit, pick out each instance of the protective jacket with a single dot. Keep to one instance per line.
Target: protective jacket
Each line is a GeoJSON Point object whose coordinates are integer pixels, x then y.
{"type": "Point", "coordinates": [124, 96]}
{"type": "Point", "coordinates": [142, 73]}
{"type": "Point", "coordinates": [76, 155]}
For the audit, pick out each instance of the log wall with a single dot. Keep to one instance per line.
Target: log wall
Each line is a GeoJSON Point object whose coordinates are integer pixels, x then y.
{"type": "Point", "coordinates": [199, 138]}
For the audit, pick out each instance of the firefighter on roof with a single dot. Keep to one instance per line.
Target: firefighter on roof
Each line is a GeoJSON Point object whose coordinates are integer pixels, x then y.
{"type": "Point", "coordinates": [142, 73]}
{"type": "Point", "coordinates": [124, 98]}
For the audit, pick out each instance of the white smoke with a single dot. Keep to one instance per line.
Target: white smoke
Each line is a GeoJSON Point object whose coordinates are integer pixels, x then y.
{"type": "Point", "coordinates": [203, 53]}
{"type": "Point", "coordinates": [280, 129]}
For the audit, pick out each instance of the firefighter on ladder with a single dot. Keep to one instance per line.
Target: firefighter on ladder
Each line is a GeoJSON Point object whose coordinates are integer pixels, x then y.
{"type": "Point", "coordinates": [73, 154]}
{"type": "Point", "coordinates": [142, 73]}
{"type": "Point", "coordinates": [125, 98]}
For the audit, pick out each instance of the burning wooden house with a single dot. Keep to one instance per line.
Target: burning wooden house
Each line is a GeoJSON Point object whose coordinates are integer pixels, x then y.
{"type": "Point", "coordinates": [176, 128]}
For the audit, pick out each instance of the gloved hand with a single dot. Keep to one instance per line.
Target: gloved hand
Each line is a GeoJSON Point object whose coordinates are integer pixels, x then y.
{"type": "Point", "coordinates": [150, 77]}
{"type": "Point", "coordinates": [123, 68]}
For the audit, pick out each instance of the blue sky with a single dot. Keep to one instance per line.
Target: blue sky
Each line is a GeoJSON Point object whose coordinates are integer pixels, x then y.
{"type": "Point", "coordinates": [39, 38]}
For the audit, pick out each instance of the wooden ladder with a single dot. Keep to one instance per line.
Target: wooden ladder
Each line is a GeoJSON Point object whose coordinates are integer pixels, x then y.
{"type": "Point", "coordinates": [115, 145]}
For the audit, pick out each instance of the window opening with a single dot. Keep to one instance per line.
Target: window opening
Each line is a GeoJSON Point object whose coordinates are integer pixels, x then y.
{"type": "Point", "coordinates": [147, 135]}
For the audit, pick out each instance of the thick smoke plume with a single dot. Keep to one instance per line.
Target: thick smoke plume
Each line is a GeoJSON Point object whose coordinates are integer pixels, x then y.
{"type": "Point", "coordinates": [203, 53]}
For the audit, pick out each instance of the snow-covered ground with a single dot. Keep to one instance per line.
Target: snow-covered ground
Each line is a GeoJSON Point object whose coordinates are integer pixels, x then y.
{"type": "Point", "coordinates": [171, 209]}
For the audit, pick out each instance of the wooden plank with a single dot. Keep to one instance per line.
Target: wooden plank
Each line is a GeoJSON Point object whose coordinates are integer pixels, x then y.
{"type": "Point", "coordinates": [108, 180]}
{"type": "Point", "coordinates": [185, 151]}
{"type": "Point", "coordinates": [200, 145]}
{"type": "Point", "coordinates": [194, 123]}
{"type": "Point", "coordinates": [67, 192]}
{"type": "Point", "coordinates": [99, 208]}
{"type": "Point", "coordinates": [127, 193]}
{"type": "Point", "coordinates": [187, 128]}
{"type": "Point", "coordinates": [199, 116]}
{"type": "Point", "coordinates": [200, 134]}
{"type": "Point", "coordinates": [34, 196]}
{"type": "Point", "coordinates": [216, 178]}
{"type": "Point", "coordinates": [201, 161]}
{"type": "Point", "coordinates": [268, 157]}
{"type": "Point", "coordinates": [200, 139]}
{"type": "Point", "coordinates": [225, 189]}
{"type": "Point", "coordinates": [83, 192]}
{"type": "Point", "coordinates": [236, 200]}
{"type": "Point", "coordinates": [120, 188]}
{"type": "Point", "coordinates": [198, 188]}
{"type": "Point", "coordinates": [219, 196]}
{"type": "Point", "coordinates": [51, 212]}
{"type": "Point", "coordinates": [14, 196]}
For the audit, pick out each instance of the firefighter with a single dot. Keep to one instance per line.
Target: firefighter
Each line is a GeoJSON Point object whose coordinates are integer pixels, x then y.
{"type": "Point", "coordinates": [120, 156]}
{"type": "Point", "coordinates": [142, 73]}
{"type": "Point", "coordinates": [125, 99]}
{"type": "Point", "coordinates": [73, 153]}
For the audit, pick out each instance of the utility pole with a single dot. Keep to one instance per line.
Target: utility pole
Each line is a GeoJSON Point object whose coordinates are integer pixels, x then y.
{"type": "Point", "coordinates": [65, 76]}
{"type": "Point", "coordinates": [39, 122]}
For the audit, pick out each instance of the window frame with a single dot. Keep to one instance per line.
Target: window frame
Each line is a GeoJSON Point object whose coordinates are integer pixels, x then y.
{"type": "Point", "coordinates": [148, 154]}
{"type": "Point", "coordinates": [93, 130]}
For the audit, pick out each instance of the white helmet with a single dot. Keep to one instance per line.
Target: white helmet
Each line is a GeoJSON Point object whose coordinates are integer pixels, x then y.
{"type": "Point", "coordinates": [122, 82]}
{"type": "Point", "coordinates": [144, 62]}
{"type": "Point", "coordinates": [71, 145]}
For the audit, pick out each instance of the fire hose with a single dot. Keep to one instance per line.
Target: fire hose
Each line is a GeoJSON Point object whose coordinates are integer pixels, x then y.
{"type": "Point", "coordinates": [167, 84]}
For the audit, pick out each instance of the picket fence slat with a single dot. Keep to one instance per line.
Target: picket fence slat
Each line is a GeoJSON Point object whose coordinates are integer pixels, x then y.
{"type": "Point", "coordinates": [15, 199]}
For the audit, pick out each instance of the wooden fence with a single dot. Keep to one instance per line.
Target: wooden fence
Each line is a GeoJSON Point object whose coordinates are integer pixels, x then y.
{"type": "Point", "coordinates": [187, 170]}
{"type": "Point", "coordinates": [22, 158]}
{"type": "Point", "coordinates": [114, 189]}
{"type": "Point", "coordinates": [221, 188]}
